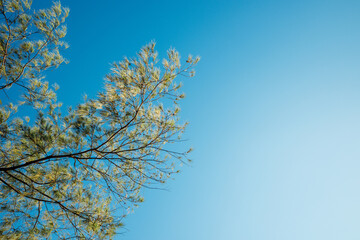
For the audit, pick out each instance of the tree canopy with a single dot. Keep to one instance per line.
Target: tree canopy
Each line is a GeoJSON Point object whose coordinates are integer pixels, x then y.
{"type": "Point", "coordinates": [74, 173]}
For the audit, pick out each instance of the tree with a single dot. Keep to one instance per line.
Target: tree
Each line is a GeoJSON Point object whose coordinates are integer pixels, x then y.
{"type": "Point", "coordinates": [74, 173]}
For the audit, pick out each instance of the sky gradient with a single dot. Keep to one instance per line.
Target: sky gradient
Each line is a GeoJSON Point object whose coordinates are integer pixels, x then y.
{"type": "Point", "coordinates": [274, 112]}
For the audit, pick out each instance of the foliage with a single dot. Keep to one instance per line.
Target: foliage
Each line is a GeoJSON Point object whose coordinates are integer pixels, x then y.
{"type": "Point", "coordinates": [75, 173]}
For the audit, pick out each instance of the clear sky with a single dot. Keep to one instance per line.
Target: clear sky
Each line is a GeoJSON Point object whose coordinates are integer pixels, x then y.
{"type": "Point", "coordinates": [274, 112]}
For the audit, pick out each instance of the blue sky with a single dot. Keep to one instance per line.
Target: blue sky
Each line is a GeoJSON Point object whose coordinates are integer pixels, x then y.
{"type": "Point", "coordinates": [274, 112]}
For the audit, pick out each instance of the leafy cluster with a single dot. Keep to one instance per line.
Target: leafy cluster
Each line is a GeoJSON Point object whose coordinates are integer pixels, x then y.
{"type": "Point", "coordinates": [29, 41]}
{"type": "Point", "coordinates": [75, 173]}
